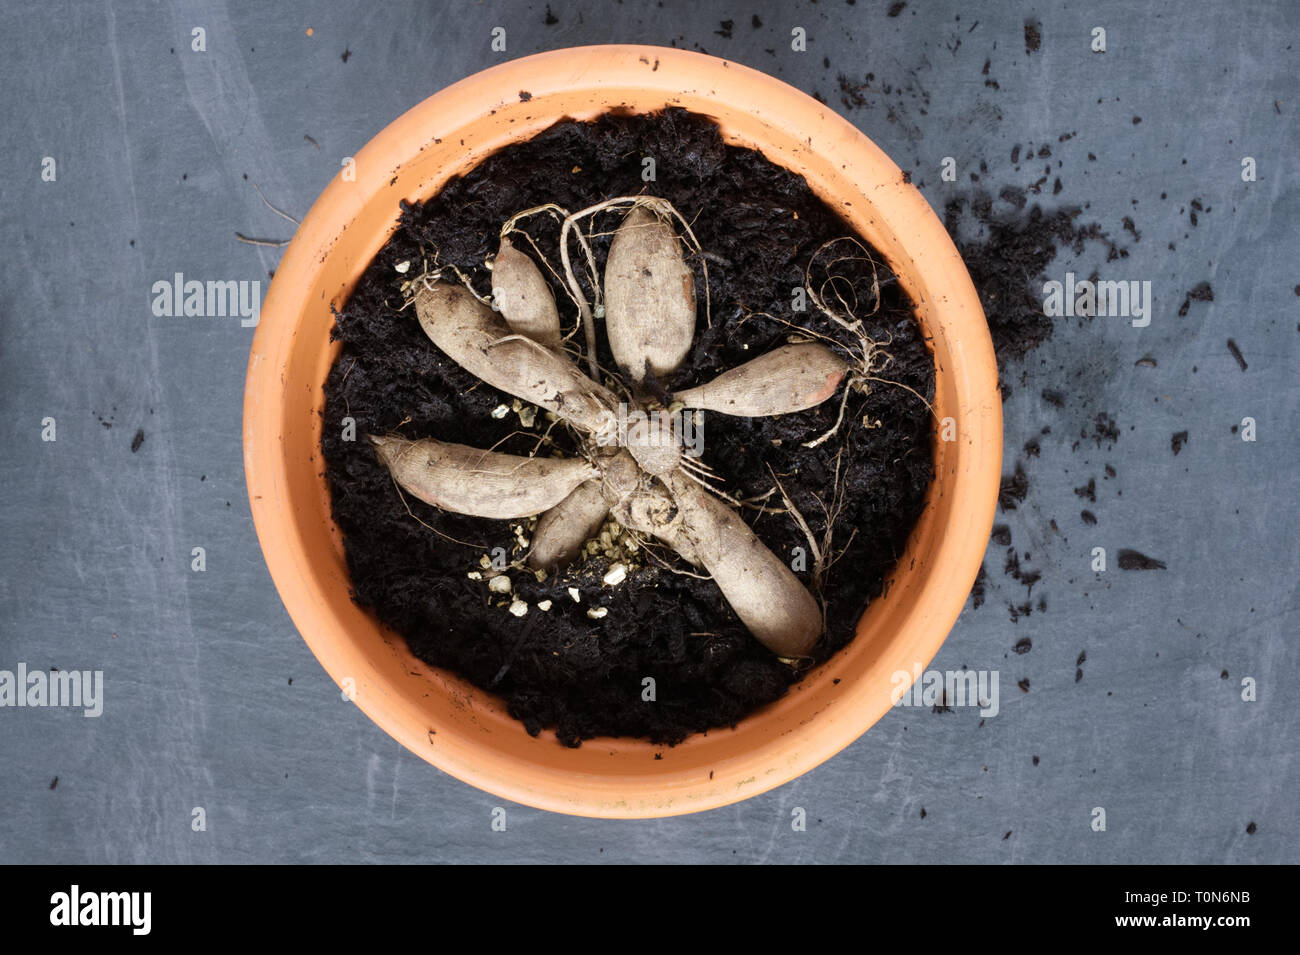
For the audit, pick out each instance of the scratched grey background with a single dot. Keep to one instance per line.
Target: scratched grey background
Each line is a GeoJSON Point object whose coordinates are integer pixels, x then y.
{"type": "Point", "coordinates": [157, 147]}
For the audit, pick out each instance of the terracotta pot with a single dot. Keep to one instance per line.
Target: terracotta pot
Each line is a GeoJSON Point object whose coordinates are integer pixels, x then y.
{"type": "Point", "coordinates": [465, 731]}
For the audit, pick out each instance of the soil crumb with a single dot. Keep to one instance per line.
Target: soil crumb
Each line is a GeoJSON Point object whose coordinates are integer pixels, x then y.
{"type": "Point", "coordinates": [1203, 292]}
{"type": "Point", "coordinates": [1133, 560]}
{"type": "Point", "coordinates": [1236, 353]}
{"type": "Point", "coordinates": [1015, 487]}
{"type": "Point", "coordinates": [979, 588]}
{"type": "Point", "coordinates": [1033, 36]}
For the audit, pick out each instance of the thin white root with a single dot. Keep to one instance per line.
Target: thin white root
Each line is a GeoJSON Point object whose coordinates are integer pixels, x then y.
{"type": "Point", "coordinates": [838, 421]}
{"type": "Point", "coordinates": [280, 212]}
{"type": "Point", "coordinates": [697, 466]}
{"type": "Point", "coordinates": [818, 293]}
{"type": "Point", "coordinates": [803, 526]}
{"type": "Point", "coordinates": [704, 483]}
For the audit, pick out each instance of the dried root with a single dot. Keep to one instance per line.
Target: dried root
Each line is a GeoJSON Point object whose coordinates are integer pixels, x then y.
{"type": "Point", "coordinates": [523, 297]}
{"type": "Point", "coordinates": [649, 297]}
{"type": "Point", "coordinates": [472, 336]}
{"type": "Point", "coordinates": [480, 483]}
{"type": "Point", "coordinates": [789, 379]}
{"type": "Point", "coordinates": [563, 529]}
{"type": "Point", "coordinates": [766, 595]}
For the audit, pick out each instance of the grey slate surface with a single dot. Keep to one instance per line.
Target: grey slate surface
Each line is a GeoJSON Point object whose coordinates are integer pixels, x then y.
{"type": "Point", "coordinates": [153, 143]}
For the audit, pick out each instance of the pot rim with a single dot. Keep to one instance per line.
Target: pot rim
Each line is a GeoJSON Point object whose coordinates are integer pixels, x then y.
{"type": "Point", "coordinates": [446, 725]}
